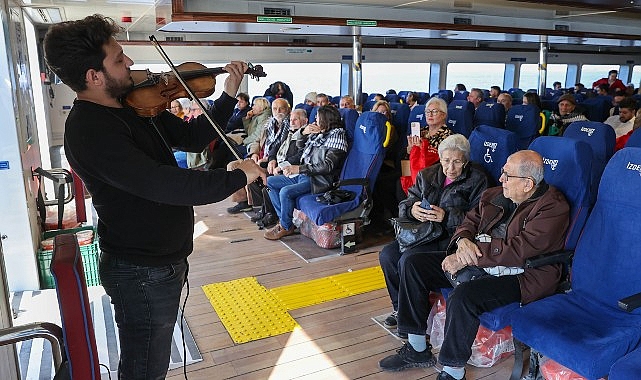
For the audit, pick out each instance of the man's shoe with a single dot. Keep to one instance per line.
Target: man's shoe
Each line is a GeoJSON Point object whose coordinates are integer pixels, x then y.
{"type": "Point", "coordinates": [278, 232]}
{"type": "Point", "coordinates": [406, 358]}
{"type": "Point", "coordinates": [240, 207]}
{"type": "Point", "coordinates": [391, 320]}
{"type": "Point", "coordinates": [446, 376]}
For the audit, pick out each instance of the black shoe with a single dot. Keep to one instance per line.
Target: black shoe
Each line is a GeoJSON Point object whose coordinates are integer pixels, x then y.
{"type": "Point", "coordinates": [240, 207]}
{"type": "Point", "coordinates": [269, 220]}
{"type": "Point", "coordinates": [259, 215]}
{"type": "Point", "coordinates": [391, 320]}
{"type": "Point", "coordinates": [446, 376]}
{"type": "Point", "coordinates": [407, 358]}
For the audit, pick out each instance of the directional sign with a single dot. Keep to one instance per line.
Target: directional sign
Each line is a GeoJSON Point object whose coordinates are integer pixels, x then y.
{"type": "Point", "coordinates": [275, 20]}
{"type": "Point", "coordinates": [361, 23]}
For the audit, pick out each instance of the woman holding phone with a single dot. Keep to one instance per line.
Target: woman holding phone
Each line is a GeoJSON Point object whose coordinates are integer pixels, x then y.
{"type": "Point", "coordinates": [443, 193]}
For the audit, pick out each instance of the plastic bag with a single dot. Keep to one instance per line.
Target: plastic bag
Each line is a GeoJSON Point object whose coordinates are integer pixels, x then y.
{"type": "Point", "coordinates": [552, 370]}
{"type": "Point", "coordinates": [491, 346]}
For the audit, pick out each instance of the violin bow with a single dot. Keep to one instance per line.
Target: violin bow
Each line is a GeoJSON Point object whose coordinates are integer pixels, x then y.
{"type": "Point", "coordinates": [182, 81]}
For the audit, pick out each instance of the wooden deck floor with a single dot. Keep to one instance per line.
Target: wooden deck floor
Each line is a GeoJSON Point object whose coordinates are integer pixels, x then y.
{"type": "Point", "coordinates": [337, 340]}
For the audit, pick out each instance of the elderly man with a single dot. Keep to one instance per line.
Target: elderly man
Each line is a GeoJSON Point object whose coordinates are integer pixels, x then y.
{"type": "Point", "coordinates": [567, 114]}
{"type": "Point", "coordinates": [347, 102]}
{"type": "Point", "coordinates": [505, 99]}
{"type": "Point", "coordinates": [523, 218]}
{"type": "Point", "coordinates": [475, 97]}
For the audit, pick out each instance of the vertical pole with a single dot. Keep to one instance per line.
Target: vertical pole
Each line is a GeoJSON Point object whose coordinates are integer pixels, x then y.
{"type": "Point", "coordinates": [357, 75]}
{"type": "Point", "coordinates": [543, 63]}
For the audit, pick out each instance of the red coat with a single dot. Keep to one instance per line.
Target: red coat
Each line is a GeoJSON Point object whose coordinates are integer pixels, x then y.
{"type": "Point", "coordinates": [617, 84]}
{"type": "Point", "coordinates": [420, 158]}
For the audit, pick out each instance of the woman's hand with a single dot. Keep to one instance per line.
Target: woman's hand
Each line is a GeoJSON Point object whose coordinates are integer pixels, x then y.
{"type": "Point", "coordinates": [311, 128]}
{"type": "Point", "coordinates": [436, 214]}
{"type": "Point", "coordinates": [250, 114]}
{"type": "Point", "coordinates": [414, 141]}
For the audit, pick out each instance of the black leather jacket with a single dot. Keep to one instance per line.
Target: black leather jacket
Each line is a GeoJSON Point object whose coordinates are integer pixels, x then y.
{"type": "Point", "coordinates": [457, 198]}
{"type": "Point", "coordinates": [323, 167]}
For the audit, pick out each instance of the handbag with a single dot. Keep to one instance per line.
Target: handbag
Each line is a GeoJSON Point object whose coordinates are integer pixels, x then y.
{"type": "Point", "coordinates": [410, 233]}
{"type": "Point", "coordinates": [466, 274]}
{"type": "Point", "coordinates": [335, 196]}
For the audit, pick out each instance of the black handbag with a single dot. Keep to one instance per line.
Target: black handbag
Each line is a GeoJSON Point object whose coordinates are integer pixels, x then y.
{"type": "Point", "coordinates": [410, 233]}
{"type": "Point", "coordinates": [466, 274]}
{"type": "Point", "coordinates": [335, 196]}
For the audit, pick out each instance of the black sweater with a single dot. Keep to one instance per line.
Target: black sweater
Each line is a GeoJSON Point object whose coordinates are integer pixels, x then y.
{"type": "Point", "coordinates": [143, 199]}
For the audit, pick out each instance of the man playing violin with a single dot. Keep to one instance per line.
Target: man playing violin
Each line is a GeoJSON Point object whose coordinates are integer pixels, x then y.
{"type": "Point", "coordinates": [143, 200]}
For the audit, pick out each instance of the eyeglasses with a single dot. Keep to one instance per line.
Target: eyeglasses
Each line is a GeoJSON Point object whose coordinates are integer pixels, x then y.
{"type": "Point", "coordinates": [457, 163]}
{"type": "Point", "coordinates": [508, 176]}
{"type": "Point", "coordinates": [432, 112]}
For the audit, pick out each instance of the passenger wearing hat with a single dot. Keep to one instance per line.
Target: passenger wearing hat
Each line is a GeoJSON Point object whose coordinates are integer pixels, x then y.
{"type": "Point", "coordinates": [310, 99]}
{"type": "Point", "coordinates": [567, 114]}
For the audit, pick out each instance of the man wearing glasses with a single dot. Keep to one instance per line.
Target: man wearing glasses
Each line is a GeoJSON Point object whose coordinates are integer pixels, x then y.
{"type": "Point", "coordinates": [523, 218]}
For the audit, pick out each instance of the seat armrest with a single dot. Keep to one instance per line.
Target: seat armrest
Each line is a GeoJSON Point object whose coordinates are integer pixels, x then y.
{"type": "Point", "coordinates": [558, 257]}
{"type": "Point", "coordinates": [630, 303]}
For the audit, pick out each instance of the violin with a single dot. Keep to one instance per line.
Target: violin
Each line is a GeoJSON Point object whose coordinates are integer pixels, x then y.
{"type": "Point", "coordinates": [152, 93]}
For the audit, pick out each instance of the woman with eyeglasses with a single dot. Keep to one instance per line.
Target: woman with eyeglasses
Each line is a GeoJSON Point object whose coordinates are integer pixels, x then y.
{"type": "Point", "coordinates": [423, 149]}
{"type": "Point", "coordinates": [451, 187]}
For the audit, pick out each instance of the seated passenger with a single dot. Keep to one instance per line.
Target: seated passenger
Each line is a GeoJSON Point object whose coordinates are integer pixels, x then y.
{"type": "Point", "coordinates": [567, 114]}
{"type": "Point", "coordinates": [452, 186]}
{"type": "Point", "coordinates": [602, 89]}
{"type": "Point", "coordinates": [254, 123]}
{"type": "Point", "coordinates": [556, 85]}
{"type": "Point", "coordinates": [621, 141]}
{"type": "Point", "coordinates": [176, 108]}
{"type": "Point", "coordinates": [411, 99]}
{"type": "Point", "coordinates": [495, 91]}
{"type": "Point", "coordinates": [280, 90]}
{"type": "Point", "coordinates": [460, 87]}
{"type": "Point", "coordinates": [523, 218]}
{"type": "Point", "coordinates": [347, 102]}
{"type": "Point", "coordinates": [321, 163]}
{"type": "Point", "coordinates": [378, 97]}
{"type": "Point", "coordinates": [422, 149]}
{"type": "Point", "coordinates": [475, 97]}
{"type": "Point", "coordinates": [533, 98]}
{"type": "Point", "coordinates": [623, 122]}
{"type": "Point", "coordinates": [272, 134]}
{"type": "Point", "coordinates": [235, 122]}
{"type": "Point", "coordinates": [310, 99]}
{"type": "Point", "coordinates": [322, 100]}
{"type": "Point", "coordinates": [505, 99]}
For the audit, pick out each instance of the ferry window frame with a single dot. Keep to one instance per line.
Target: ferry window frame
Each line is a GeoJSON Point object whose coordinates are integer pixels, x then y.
{"type": "Point", "coordinates": [596, 72]}
{"type": "Point", "coordinates": [635, 79]}
{"type": "Point", "coordinates": [301, 77]}
{"type": "Point", "coordinates": [487, 70]}
{"type": "Point", "coordinates": [556, 72]}
{"type": "Point", "coordinates": [378, 77]}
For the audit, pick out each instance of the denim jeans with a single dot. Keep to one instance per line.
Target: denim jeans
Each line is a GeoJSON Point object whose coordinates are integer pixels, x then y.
{"type": "Point", "coordinates": [146, 301]}
{"type": "Point", "coordinates": [283, 194]}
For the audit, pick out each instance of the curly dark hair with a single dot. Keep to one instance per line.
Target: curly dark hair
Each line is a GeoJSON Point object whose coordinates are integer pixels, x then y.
{"type": "Point", "coordinates": [73, 47]}
{"type": "Point", "coordinates": [329, 118]}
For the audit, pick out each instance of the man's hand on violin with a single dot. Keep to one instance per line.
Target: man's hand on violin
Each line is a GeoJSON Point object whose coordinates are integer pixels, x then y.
{"type": "Point", "coordinates": [252, 171]}
{"type": "Point", "coordinates": [236, 70]}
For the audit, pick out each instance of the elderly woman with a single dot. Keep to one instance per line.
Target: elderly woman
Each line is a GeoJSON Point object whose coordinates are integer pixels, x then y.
{"type": "Point", "coordinates": [256, 118]}
{"type": "Point", "coordinates": [451, 187]}
{"type": "Point", "coordinates": [321, 163]}
{"type": "Point", "coordinates": [422, 149]}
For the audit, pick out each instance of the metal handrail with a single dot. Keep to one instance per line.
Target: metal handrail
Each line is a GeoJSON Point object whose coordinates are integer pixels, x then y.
{"type": "Point", "coordinates": [45, 330]}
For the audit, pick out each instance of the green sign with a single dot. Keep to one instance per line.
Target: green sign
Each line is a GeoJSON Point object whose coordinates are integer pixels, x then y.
{"type": "Point", "coordinates": [361, 23]}
{"type": "Point", "coordinates": [275, 20]}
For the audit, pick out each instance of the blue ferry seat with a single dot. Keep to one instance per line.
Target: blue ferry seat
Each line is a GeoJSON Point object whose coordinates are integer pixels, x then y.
{"type": "Point", "coordinates": [358, 175]}
{"type": "Point", "coordinates": [601, 138]}
{"type": "Point", "coordinates": [400, 117]}
{"type": "Point", "coordinates": [460, 117]}
{"type": "Point", "coordinates": [349, 117]}
{"type": "Point", "coordinates": [628, 367]}
{"type": "Point", "coordinates": [392, 98]}
{"type": "Point", "coordinates": [417, 114]}
{"type": "Point", "coordinates": [597, 108]}
{"type": "Point", "coordinates": [308, 108]}
{"type": "Point", "coordinates": [311, 115]}
{"type": "Point", "coordinates": [634, 140]}
{"type": "Point", "coordinates": [461, 95]}
{"type": "Point", "coordinates": [586, 329]}
{"type": "Point", "coordinates": [489, 113]}
{"type": "Point", "coordinates": [525, 121]}
{"type": "Point", "coordinates": [446, 95]}
{"type": "Point", "coordinates": [491, 146]}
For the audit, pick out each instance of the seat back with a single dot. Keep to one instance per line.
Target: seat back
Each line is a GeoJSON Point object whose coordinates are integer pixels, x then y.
{"type": "Point", "coordinates": [446, 95]}
{"type": "Point", "coordinates": [524, 120]}
{"type": "Point", "coordinates": [312, 114]}
{"type": "Point", "coordinates": [635, 139]}
{"type": "Point", "coordinates": [349, 117]}
{"type": "Point", "coordinates": [607, 260]}
{"type": "Point", "coordinates": [305, 107]}
{"type": "Point", "coordinates": [392, 98]}
{"type": "Point", "coordinates": [400, 117]}
{"type": "Point", "coordinates": [490, 113]}
{"type": "Point", "coordinates": [364, 160]}
{"type": "Point", "coordinates": [460, 117]}
{"type": "Point", "coordinates": [417, 114]}
{"type": "Point", "coordinates": [601, 138]}
{"type": "Point", "coordinates": [75, 312]}
{"type": "Point", "coordinates": [568, 166]}
{"type": "Point", "coordinates": [491, 147]}
{"type": "Point", "coordinates": [597, 108]}
{"type": "Point", "coordinates": [461, 95]}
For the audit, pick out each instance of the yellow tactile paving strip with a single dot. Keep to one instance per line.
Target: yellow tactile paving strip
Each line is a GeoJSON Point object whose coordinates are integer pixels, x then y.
{"type": "Point", "coordinates": [249, 311]}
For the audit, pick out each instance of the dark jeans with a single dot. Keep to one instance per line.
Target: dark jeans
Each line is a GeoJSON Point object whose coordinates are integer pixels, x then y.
{"type": "Point", "coordinates": [146, 301]}
{"type": "Point", "coordinates": [420, 274]}
{"type": "Point", "coordinates": [390, 257]}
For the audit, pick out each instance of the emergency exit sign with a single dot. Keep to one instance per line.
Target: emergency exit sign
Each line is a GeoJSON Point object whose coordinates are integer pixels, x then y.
{"type": "Point", "coordinates": [361, 23]}
{"type": "Point", "coordinates": [274, 20]}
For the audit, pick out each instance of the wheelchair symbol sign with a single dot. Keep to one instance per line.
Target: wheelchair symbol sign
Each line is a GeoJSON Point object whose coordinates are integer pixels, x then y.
{"type": "Point", "coordinates": [487, 157]}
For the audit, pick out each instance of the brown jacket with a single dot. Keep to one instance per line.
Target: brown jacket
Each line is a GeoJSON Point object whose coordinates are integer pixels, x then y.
{"type": "Point", "coordinates": [537, 226]}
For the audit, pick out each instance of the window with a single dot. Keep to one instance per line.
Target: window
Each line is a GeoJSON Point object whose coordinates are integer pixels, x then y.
{"type": "Point", "coordinates": [479, 75]}
{"type": "Point", "coordinates": [592, 73]}
{"type": "Point", "coordinates": [380, 77]}
{"type": "Point", "coordinates": [530, 75]}
{"type": "Point", "coordinates": [301, 78]}
{"type": "Point", "coordinates": [636, 76]}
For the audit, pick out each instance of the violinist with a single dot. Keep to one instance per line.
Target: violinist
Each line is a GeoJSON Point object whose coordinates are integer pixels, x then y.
{"type": "Point", "coordinates": [143, 200]}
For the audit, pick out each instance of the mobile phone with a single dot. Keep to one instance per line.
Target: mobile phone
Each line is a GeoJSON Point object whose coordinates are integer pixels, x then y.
{"type": "Point", "coordinates": [426, 204]}
{"type": "Point", "coordinates": [415, 128]}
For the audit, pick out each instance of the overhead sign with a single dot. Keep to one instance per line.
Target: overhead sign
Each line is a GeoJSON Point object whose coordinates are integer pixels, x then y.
{"type": "Point", "coordinates": [275, 20]}
{"type": "Point", "coordinates": [361, 23]}
{"type": "Point", "coordinates": [4, 165]}
{"type": "Point", "coordinates": [298, 51]}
